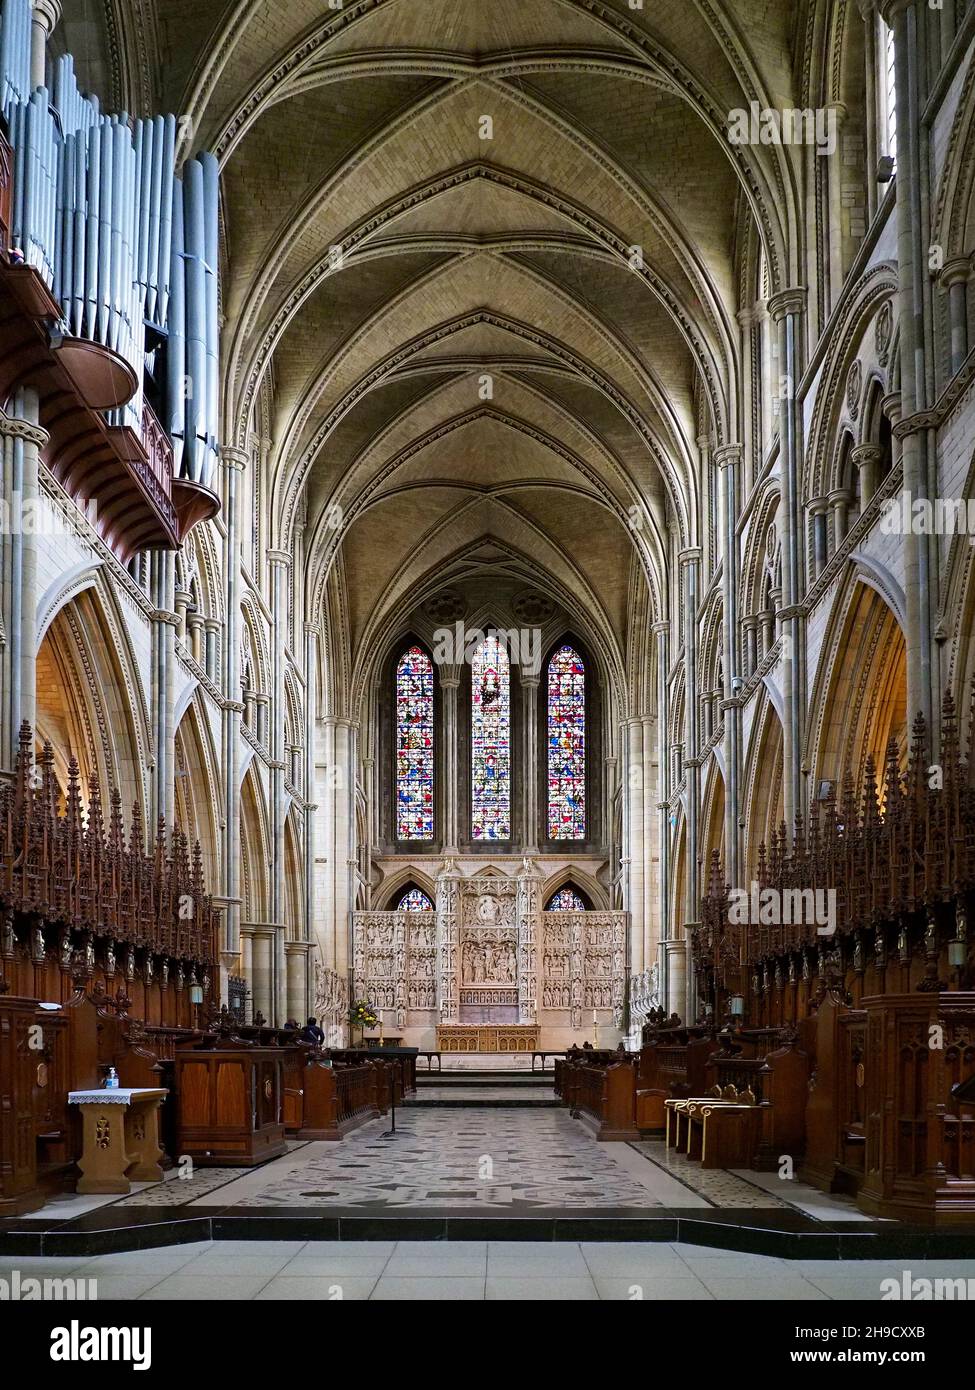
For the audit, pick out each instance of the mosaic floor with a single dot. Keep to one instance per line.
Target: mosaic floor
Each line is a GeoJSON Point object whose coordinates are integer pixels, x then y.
{"type": "Point", "coordinates": [509, 1159]}
{"type": "Point", "coordinates": [473, 1160]}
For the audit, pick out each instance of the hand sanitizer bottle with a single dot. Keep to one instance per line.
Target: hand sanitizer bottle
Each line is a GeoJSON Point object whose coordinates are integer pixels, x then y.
{"type": "Point", "coordinates": [111, 1080]}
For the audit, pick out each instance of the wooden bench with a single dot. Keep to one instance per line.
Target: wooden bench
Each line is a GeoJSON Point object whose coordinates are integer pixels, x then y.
{"type": "Point", "coordinates": [605, 1095]}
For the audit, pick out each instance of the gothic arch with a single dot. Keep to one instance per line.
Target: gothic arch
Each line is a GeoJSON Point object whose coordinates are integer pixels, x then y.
{"type": "Point", "coordinates": [197, 791]}
{"type": "Point", "coordinates": [861, 687]}
{"type": "Point", "coordinates": [89, 699]}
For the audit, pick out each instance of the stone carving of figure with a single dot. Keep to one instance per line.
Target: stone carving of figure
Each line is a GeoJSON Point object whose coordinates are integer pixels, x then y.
{"type": "Point", "coordinates": [487, 910]}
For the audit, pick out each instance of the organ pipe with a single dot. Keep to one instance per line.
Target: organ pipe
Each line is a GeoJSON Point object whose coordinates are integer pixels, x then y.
{"type": "Point", "coordinates": [120, 239]}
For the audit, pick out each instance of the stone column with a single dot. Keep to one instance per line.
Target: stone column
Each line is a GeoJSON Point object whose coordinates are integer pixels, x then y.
{"type": "Point", "coordinates": [529, 934]}
{"type": "Point", "coordinates": [661, 635]}
{"type": "Point", "coordinates": [866, 459]}
{"type": "Point", "coordinates": [787, 310]}
{"type": "Point", "coordinates": [46, 14]}
{"type": "Point", "coordinates": [834, 175]}
{"type": "Point", "coordinates": [233, 463]}
{"type": "Point", "coordinates": [449, 676]}
{"type": "Point", "coordinates": [21, 440]}
{"type": "Point", "coordinates": [728, 460]}
{"type": "Point", "coordinates": [311, 807]}
{"type": "Point", "coordinates": [530, 772]}
{"type": "Point", "coordinates": [635, 856]}
{"type": "Point", "coordinates": [448, 906]}
{"type": "Point", "coordinates": [279, 564]}
{"type": "Point", "coordinates": [818, 509]}
{"type": "Point", "coordinates": [212, 648]}
{"type": "Point", "coordinates": [299, 1001]}
{"type": "Point", "coordinates": [955, 277]}
{"type": "Point", "coordinates": [690, 569]}
{"type": "Point", "coordinates": [906, 17]}
{"type": "Point", "coordinates": [839, 503]}
{"type": "Point", "coordinates": [162, 573]}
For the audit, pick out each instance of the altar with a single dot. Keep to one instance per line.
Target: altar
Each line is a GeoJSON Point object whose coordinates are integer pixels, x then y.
{"type": "Point", "coordinates": [489, 969]}
{"type": "Point", "coordinates": [478, 1037]}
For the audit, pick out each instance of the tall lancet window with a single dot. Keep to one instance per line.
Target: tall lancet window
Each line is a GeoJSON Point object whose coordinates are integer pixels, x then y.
{"type": "Point", "coordinates": [566, 746]}
{"type": "Point", "coordinates": [414, 746]}
{"type": "Point", "coordinates": [490, 742]}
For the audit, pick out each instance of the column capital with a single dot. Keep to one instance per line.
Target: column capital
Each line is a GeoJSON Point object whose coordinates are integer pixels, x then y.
{"type": "Point", "coordinates": [212, 624]}
{"type": "Point", "coordinates": [46, 13]}
{"type": "Point", "coordinates": [728, 455]}
{"type": "Point", "coordinates": [690, 556]}
{"type": "Point", "coordinates": [818, 506]}
{"type": "Point", "coordinates": [12, 427]}
{"type": "Point", "coordinates": [162, 615]}
{"type": "Point", "coordinates": [837, 495]}
{"type": "Point", "coordinates": [785, 302]}
{"type": "Point", "coordinates": [890, 9]}
{"type": "Point", "coordinates": [863, 455]}
{"type": "Point", "coordinates": [279, 557]}
{"type": "Point", "coordinates": [237, 459]}
{"type": "Point", "coordinates": [892, 406]}
{"type": "Point", "coordinates": [662, 627]}
{"type": "Point", "coordinates": [956, 272]}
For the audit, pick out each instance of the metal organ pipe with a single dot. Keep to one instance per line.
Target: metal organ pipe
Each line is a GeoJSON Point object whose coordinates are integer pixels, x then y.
{"type": "Point", "coordinates": [15, 44]}
{"type": "Point", "coordinates": [121, 241]}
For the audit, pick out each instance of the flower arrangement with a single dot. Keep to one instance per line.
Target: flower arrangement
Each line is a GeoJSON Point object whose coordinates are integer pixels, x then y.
{"type": "Point", "coordinates": [363, 1015]}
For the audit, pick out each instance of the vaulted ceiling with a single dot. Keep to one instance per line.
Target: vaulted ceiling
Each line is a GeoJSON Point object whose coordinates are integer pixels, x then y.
{"type": "Point", "coordinates": [482, 256]}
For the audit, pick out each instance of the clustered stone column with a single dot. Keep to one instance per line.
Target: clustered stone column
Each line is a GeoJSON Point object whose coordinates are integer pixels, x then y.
{"type": "Point", "coordinates": [787, 310]}
{"type": "Point", "coordinates": [233, 462]}
{"type": "Point", "coordinates": [21, 439]}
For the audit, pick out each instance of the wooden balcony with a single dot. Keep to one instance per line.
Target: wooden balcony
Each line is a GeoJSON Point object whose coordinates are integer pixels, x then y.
{"type": "Point", "coordinates": [122, 479]}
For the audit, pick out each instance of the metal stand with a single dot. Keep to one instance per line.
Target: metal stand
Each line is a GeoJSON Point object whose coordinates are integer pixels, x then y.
{"type": "Point", "coordinates": [392, 1132]}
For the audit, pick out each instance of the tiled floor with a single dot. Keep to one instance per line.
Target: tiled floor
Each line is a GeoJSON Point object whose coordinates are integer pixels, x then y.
{"type": "Point", "coordinates": [517, 1160]}
{"type": "Point", "coordinates": [451, 1271]}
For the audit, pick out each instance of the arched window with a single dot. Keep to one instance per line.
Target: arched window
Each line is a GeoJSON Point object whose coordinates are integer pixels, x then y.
{"type": "Point", "coordinates": [566, 900]}
{"type": "Point", "coordinates": [414, 900]}
{"type": "Point", "coordinates": [886, 97]}
{"type": "Point", "coordinates": [566, 697]}
{"type": "Point", "coordinates": [414, 746]}
{"type": "Point", "coordinates": [490, 742]}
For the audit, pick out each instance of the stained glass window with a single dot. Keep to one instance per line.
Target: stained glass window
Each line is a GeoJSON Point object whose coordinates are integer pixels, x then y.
{"type": "Point", "coordinates": [490, 742]}
{"type": "Point", "coordinates": [566, 746]}
{"type": "Point", "coordinates": [566, 900]}
{"type": "Point", "coordinates": [414, 900]}
{"type": "Point", "coordinates": [414, 746]}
